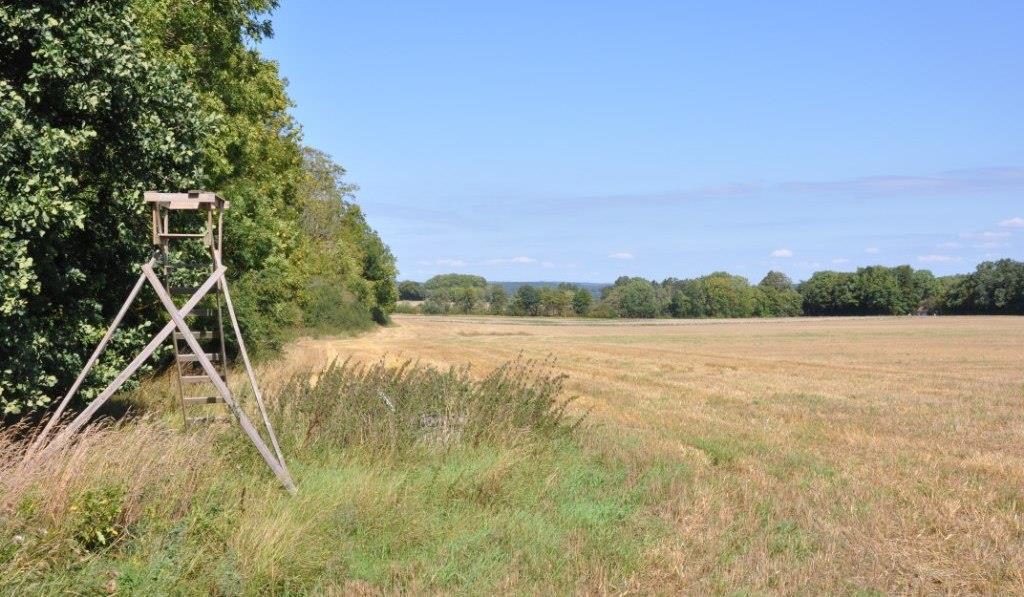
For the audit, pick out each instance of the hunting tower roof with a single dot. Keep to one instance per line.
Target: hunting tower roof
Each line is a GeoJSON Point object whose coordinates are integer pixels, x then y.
{"type": "Point", "coordinates": [189, 200]}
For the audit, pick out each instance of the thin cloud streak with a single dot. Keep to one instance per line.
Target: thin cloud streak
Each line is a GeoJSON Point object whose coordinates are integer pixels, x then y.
{"type": "Point", "coordinates": [953, 182]}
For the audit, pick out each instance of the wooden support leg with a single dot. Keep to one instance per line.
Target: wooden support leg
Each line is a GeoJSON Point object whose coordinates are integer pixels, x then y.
{"type": "Point", "coordinates": [279, 469]}
{"type": "Point", "coordinates": [88, 366]}
{"type": "Point", "coordinates": [137, 362]}
{"type": "Point", "coordinates": [249, 372]}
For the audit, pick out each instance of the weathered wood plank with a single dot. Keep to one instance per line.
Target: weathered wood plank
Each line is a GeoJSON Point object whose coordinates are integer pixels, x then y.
{"type": "Point", "coordinates": [243, 420]}
{"type": "Point", "coordinates": [248, 365]}
{"type": "Point", "coordinates": [182, 235]}
{"type": "Point", "coordinates": [204, 335]}
{"type": "Point", "coordinates": [197, 197]}
{"type": "Point", "coordinates": [195, 358]}
{"type": "Point", "coordinates": [89, 364]}
{"type": "Point", "coordinates": [84, 416]}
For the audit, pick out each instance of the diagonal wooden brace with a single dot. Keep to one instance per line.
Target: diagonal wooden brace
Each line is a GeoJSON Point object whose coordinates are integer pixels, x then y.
{"type": "Point", "coordinates": [179, 321]}
{"type": "Point", "coordinates": [248, 365]}
{"type": "Point", "coordinates": [55, 417]}
{"type": "Point", "coordinates": [137, 362]}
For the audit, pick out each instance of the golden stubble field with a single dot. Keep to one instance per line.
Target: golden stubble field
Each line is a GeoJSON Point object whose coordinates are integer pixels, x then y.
{"type": "Point", "coordinates": [841, 455]}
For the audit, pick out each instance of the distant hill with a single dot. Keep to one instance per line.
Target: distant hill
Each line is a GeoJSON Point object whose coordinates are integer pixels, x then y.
{"type": "Point", "coordinates": [593, 287]}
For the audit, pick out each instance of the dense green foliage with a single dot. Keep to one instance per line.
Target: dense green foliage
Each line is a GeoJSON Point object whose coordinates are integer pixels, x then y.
{"type": "Point", "coordinates": [874, 290]}
{"type": "Point", "coordinates": [340, 251]}
{"type": "Point", "coordinates": [633, 297]}
{"type": "Point", "coordinates": [444, 281]}
{"type": "Point", "coordinates": [995, 288]}
{"type": "Point", "coordinates": [100, 101]}
{"type": "Point", "coordinates": [87, 122]}
{"type": "Point", "coordinates": [411, 291]}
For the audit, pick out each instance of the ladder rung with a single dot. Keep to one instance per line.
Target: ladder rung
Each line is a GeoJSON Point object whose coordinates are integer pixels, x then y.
{"type": "Point", "coordinates": [196, 379]}
{"type": "Point", "coordinates": [204, 335]}
{"type": "Point", "coordinates": [194, 358]}
{"type": "Point", "coordinates": [204, 312]}
{"type": "Point", "coordinates": [182, 235]}
{"type": "Point", "coordinates": [200, 420]}
{"type": "Point", "coordinates": [202, 399]}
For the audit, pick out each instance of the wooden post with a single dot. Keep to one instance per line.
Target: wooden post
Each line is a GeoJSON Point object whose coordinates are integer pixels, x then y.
{"type": "Point", "coordinates": [165, 298]}
{"type": "Point", "coordinates": [137, 362]}
{"type": "Point", "coordinates": [249, 371]}
{"type": "Point", "coordinates": [88, 365]}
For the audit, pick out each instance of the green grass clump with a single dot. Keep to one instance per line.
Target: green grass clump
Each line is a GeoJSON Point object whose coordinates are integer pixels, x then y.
{"type": "Point", "coordinates": [411, 479]}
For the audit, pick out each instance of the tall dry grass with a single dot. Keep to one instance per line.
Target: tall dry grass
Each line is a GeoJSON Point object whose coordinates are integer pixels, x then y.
{"type": "Point", "coordinates": [410, 479]}
{"type": "Point", "coordinates": [832, 455]}
{"type": "Point", "coordinates": [85, 494]}
{"type": "Point", "coordinates": [390, 409]}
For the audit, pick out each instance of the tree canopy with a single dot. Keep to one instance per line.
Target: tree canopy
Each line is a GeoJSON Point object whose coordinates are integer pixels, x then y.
{"type": "Point", "coordinates": [103, 99]}
{"type": "Point", "coordinates": [995, 287]}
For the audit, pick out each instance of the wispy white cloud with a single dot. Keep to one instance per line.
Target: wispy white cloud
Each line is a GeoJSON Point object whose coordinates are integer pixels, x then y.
{"type": "Point", "coordinates": [449, 263]}
{"type": "Point", "coordinates": [986, 235]}
{"type": "Point", "coordinates": [840, 260]}
{"type": "Point", "coordinates": [521, 260]}
{"type": "Point", "coordinates": [954, 182]}
{"type": "Point", "coordinates": [621, 255]}
{"type": "Point", "coordinates": [988, 239]}
{"type": "Point", "coordinates": [782, 253]}
{"type": "Point", "coordinates": [949, 245]}
{"type": "Point", "coordinates": [872, 250]}
{"type": "Point", "coordinates": [937, 258]}
{"type": "Point", "coordinates": [1012, 223]}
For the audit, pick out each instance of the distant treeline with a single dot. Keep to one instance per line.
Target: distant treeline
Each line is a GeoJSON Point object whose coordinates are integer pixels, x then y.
{"type": "Point", "coordinates": [594, 288]}
{"type": "Point", "coordinates": [996, 287]}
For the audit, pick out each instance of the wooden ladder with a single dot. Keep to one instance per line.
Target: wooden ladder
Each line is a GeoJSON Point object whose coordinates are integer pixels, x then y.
{"type": "Point", "coordinates": [195, 387]}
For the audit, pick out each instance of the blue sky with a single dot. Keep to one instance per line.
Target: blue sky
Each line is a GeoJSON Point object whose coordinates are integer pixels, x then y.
{"type": "Point", "coordinates": [586, 140]}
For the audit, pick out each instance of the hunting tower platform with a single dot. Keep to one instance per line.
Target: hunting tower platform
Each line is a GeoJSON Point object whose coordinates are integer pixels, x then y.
{"type": "Point", "coordinates": [194, 291]}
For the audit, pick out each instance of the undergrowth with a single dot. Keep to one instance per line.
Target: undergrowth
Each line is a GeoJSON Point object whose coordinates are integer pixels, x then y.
{"type": "Point", "coordinates": [411, 479]}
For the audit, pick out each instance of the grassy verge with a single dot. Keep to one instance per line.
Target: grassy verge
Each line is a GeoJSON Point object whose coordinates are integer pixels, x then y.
{"type": "Point", "coordinates": [448, 485]}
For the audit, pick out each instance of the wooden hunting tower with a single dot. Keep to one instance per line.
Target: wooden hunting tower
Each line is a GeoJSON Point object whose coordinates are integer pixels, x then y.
{"type": "Point", "coordinates": [193, 289]}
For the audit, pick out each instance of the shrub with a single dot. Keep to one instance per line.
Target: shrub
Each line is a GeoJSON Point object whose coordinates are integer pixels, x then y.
{"type": "Point", "coordinates": [409, 290]}
{"type": "Point", "coordinates": [407, 308]}
{"type": "Point", "coordinates": [330, 308]}
{"type": "Point", "coordinates": [97, 517]}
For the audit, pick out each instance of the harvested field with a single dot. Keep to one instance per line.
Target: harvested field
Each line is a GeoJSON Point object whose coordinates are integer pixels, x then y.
{"type": "Point", "coordinates": [840, 455]}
